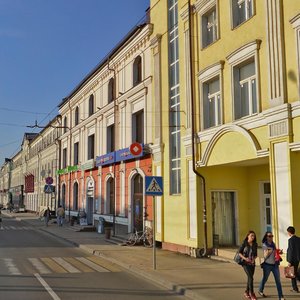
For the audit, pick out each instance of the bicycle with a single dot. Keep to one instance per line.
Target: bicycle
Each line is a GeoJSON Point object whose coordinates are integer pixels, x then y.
{"type": "Point", "coordinates": [138, 237]}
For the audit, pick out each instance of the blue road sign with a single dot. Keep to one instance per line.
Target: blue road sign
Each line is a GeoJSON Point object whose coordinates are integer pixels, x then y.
{"type": "Point", "coordinates": [154, 186]}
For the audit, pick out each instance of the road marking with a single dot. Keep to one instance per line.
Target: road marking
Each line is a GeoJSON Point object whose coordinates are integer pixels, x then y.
{"type": "Point", "coordinates": [91, 264]}
{"type": "Point", "coordinates": [39, 266]}
{"type": "Point", "coordinates": [53, 265]}
{"type": "Point", "coordinates": [79, 265]}
{"type": "Point", "coordinates": [12, 268]}
{"type": "Point", "coordinates": [66, 265]}
{"type": "Point", "coordinates": [105, 264]}
{"type": "Point", "coordinates": [46, 286]}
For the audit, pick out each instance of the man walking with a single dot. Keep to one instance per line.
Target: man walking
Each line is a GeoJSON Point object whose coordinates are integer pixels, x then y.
{"type": "Point", "coordinates": [47, 216]}
{"type": "Point", "coordinates": [60, 215]}
{"type": "Point", "coordinates": [293, 255]}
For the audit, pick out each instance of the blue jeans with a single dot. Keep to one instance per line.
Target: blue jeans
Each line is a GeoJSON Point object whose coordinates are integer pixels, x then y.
{"type": "Point", "coordinates": [267, 269]}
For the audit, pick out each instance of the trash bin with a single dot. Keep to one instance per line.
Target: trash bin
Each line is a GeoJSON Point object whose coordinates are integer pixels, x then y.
{"type": "Point", "coordinates": [107, 232]}
{"type": "Point", "coordinates": [101, 225]}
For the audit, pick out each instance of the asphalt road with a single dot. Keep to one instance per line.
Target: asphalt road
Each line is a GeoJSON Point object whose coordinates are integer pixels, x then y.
{"type": "Point", "coordinates": [37, 266]}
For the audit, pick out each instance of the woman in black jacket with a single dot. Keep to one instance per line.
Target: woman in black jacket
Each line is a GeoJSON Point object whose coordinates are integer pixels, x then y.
{"type": "Point", "coordinates": [248, 253]}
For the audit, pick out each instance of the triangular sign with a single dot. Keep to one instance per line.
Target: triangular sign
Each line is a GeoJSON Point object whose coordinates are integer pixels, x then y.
{"type": "Point", "coordinates": [154, 187]}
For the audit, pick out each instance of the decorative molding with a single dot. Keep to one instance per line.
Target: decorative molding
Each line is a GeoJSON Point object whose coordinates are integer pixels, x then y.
{"type": "Point", "coordinates": [202, 6]}
{"type": "Point", "coordinates": [278, 129]}
{"type": "Point", "coordinates": [295, 21]}
{"type": "Point", "coordinates": [211, 71]}
{"type": "Point", "coordinates": [295, 146]}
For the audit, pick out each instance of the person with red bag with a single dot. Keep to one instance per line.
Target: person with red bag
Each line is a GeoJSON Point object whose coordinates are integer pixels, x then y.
{"type": "Point", "coordinates": [271, 264]}
{"type": "Point", "coordinates": [293, 255]}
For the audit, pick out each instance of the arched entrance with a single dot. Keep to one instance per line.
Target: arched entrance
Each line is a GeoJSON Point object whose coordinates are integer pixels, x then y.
{"type": "Point", "coordinates": [137, 202]}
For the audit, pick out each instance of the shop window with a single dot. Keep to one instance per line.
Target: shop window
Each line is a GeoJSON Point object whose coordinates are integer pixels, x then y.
{"type": "Point", "coordinates": [75, 196]}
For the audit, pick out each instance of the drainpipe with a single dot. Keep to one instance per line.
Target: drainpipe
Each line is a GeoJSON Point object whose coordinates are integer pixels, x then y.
{"type": "Point", "coordinates": [202, 252]}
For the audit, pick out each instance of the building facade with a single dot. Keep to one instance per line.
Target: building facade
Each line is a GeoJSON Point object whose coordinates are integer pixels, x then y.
{"type": "Point", "coordinates": [228, 147]}
{"type": "Point", "coordinates": [102, 117]}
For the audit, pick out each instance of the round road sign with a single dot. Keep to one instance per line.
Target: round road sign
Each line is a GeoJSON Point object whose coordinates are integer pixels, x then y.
{"type": "Point", "coordinates": [49, 180]}
{"type": "Point", "coordinates": [136, 149]}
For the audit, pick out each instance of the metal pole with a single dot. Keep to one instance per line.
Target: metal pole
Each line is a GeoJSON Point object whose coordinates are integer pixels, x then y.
{"type": "Point", "coordinates": [154, 229]}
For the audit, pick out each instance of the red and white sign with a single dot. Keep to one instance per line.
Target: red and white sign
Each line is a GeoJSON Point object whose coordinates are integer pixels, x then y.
{"type": "Point", "coordinates": [49, 180]}
{"type": "Point", "coordinates": [136, 149]}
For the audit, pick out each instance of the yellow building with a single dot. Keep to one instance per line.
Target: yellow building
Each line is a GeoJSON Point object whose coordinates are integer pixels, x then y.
{"type": "Point", "coordinates": [231, 83]}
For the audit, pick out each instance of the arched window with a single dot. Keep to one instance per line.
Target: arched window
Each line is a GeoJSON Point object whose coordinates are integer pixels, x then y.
{"type": "Point", "coordinates": [63, 196]}
{"type": "Point", "coordinates": [110, 196]}
{"type": "Point", "coordinates": [75, 196]}
{"type": "Point", "coordinates": [137, 71]}
{"type": "Point", "coordinates": [111, 90]}
{"type": "Point", "coordinates": [65, 124]}
{"type": "Point", "coordinates": [76, 116]}
{"type": "Point", "coordinates": [91, 105]}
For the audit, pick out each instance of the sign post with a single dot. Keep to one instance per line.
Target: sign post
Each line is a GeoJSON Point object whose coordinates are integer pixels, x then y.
{"type": "Point", "coordinates": [154, 187]}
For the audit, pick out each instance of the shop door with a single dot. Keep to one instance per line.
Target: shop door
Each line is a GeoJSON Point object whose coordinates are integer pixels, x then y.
{"type": "Point", "coordinates": [138, 203]}
{"type": "Point", "coordinates": [223, 218]}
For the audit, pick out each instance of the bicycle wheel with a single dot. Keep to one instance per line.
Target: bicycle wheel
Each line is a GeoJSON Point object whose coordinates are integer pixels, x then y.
{"type": "Point", "coordinates": [131, 241]}
{"type": "Point", "coordinates": [148, 240]}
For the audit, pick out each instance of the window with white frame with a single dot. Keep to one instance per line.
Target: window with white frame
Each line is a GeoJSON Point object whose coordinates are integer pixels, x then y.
{"type": "Point", "coordinates": [91, 105]}
{"type": "Point", "coordinates": [211, 103]}
{"type": "Point", "coordinates": [110, 138]}
{"type": "Point", "coordinates": [76, 115]}
{"type": "Point", "coordinates": [137, 70]}
{"type": "Point", "coordinates": [111, 90]}
{"type": "Point", "coordinates": [138, 127]}
{"type": "Point", "coordinates": [65, 124]}
{"type": "Point", "coordinates": [245, 90]}
{"type": "Point", "coordinates": [209, 27]}
{"type": "Point", "coordinates": [242, 10]}
{"type": "Point", "coordinates": [76, 153]}
{"type": "Point", "coordinates": [296, 25]}
{"type": "Point", "coordinates": [64, 158]}
{"type": "Point", "coordinates": [91, 147]}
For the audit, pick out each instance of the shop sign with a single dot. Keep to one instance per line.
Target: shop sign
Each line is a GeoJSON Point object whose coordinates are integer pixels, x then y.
{"type": "Point", "coordinates": [106, 159]}
{"type": "Point", "coordinates": [125, 154]}
{"type": "Point", "coordinates": [90, 164]}
{"type": "Point", "coordinates": [69, 169]}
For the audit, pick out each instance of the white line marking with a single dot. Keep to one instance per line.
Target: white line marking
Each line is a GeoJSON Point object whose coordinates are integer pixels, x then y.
{"type": "Point", "coordinates": [13, 227]}
{"type": "Point", "coordinates": [12, 268]}
{"type": "Point", "coordinates": [39, 266]}
{"type": "Point", "coordinates": [66, 265]}
{"type": "Point", "coordinates": [46, 286]}
{"type": "Point", "coordinates": [91, 264]}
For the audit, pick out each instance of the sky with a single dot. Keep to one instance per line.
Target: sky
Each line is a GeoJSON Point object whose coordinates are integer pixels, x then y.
{"type": "Point", "coordinates": [46, 48]}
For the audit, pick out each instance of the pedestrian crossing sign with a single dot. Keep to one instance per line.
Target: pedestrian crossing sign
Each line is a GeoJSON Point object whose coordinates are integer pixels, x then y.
{"type": "Point", "coordinates": [154, 186]}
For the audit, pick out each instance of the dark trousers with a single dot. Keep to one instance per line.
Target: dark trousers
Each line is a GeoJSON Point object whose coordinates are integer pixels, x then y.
{"type": "Point", "coordinates": [294, 280]}
{"type": "Point", "coordinates": [249, 270]}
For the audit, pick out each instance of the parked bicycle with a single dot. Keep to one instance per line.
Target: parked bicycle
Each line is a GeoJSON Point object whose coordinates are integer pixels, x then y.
{"type": "Point", "coordinates": [138, 237]}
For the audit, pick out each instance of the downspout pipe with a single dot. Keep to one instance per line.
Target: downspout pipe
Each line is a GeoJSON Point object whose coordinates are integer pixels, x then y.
{"type": "Point", "coordinates": [202, 252]}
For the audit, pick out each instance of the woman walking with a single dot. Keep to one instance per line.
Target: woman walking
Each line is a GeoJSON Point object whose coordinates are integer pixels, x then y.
{"type": "Point", "coordinates": [248, 253]}
{"type": "Point", "coordinates": [270, 264]}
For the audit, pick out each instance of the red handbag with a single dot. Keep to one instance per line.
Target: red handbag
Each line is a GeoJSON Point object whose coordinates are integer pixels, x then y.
{"type": "Point", "coordinates": [289, 272]}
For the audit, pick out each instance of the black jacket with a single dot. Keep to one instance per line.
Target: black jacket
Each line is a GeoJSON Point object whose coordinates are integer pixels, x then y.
{"type": "Point", "coordinates": [293, 251]}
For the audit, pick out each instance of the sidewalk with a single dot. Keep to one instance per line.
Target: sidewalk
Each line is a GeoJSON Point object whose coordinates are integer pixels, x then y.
{"type": "Point", "coordinates": [199, 279]}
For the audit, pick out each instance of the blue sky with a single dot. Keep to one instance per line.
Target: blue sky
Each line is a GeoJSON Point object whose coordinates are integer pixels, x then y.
{"type": "Point", "coordinates": [46, 48]}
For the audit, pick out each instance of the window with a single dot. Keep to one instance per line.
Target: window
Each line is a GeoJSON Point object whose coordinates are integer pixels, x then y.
{"type": "Point", "coordinates": [211, 103]}
{"type": "Point", "coordinates": [245, 92]}
{"type": "Point", "coordinates": [91, 147]}
{"type": "Point", "coordinates": [76, 153]}
{"type": "Point", "coordinates": [76, 116]}
{"type": "Point", "coordinates": [138, 127]}
{"type": "Point", "coordinates": [174, 99]}
{"type": "Point", "coordinates": [91, 105]}
{"type": "Point", "coordinates": [110, 138]}
{"type": "Point", "coordinates": [137, 71]}
{"type": "Point", "coordinates": [75, 196]}
{"type": "Point", "coordinates": [63, 196]}
{"type": "Point", "coordinates": [111, 90]}
{"type": "Point", "coordinates": [65, 124]}
{"type": "Point", "coordinates": [64, 158]}
{"type": "Point", "coordinates": [242, 10]}
{"type": "Point", "coordinates": [209, 27]}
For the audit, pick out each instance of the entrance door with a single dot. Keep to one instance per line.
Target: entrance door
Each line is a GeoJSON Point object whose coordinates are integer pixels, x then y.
{"type": "Point", "coordinates": [267, 207]}
{"type": "Point", "coordinates": [137, 203]}
{"type": "Point", "coordinates": [89, 210]}
{"type": "Point", "coordinates": [223, 218]}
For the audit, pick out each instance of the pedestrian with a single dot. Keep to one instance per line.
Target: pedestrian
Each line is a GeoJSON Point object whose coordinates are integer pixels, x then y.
{"type": "Point", "coordinates": [293, 255]}
{"type": "Point", "coordinates": [248, 254]}
{"type": "Point", "coordinates": [60, 215]}
{"type": "Point", "coordinates": [270, 264]}
{"type": "Point", "coordinates": [47, 216]}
